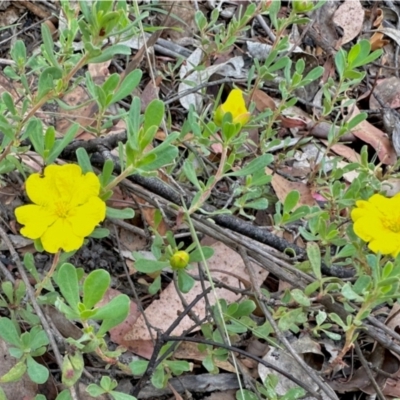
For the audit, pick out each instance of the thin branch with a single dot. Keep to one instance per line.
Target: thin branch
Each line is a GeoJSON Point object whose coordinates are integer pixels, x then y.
{"type": "Point", "coordinates": [31, 295]}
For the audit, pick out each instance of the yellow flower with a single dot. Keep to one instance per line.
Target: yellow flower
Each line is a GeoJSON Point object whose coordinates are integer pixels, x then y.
{"type": "Point", "coordinates": [66, 207]}
{"type": "Point", "coordinates": [236, 106]}
{"type": "Point", "coordinates": [377, 221]}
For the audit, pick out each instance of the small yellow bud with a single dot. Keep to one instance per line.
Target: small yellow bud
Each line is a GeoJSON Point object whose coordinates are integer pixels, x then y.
{"type": "Point", "coordinates": [236, 105]}
{"type": "Point", "coordinates": [179, 260]}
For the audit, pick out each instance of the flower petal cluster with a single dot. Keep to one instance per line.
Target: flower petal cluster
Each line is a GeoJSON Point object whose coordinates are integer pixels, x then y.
{"type": "Point", "coordinates": [66, 208]}
{"type": "Point", "coordinates": [236, 105]}
{"type": "Point", "coordinates": [377, 221]}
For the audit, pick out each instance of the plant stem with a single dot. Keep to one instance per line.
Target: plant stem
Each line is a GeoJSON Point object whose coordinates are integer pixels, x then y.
{"type": "Point", "coordinates": [42, 284]}
{"type": "Point", "coordinates": [207, 191]}
{"type": "Point", "coordinates": [124, 174]}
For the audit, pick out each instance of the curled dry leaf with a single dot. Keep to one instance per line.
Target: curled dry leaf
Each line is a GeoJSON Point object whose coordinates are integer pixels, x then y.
{"type": "Point", "coordinates": [190, 79]}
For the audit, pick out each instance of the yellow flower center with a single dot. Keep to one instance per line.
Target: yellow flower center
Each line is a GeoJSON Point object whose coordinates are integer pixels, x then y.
{"type": "Point", "coordinates": [61, 209]}
{"type": "Point", "coordinates": [391, 223]}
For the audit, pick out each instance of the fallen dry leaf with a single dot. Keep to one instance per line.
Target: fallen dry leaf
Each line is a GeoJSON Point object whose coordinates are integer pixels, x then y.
{"type": "Point", "coordinates": [349, 16]}
{"type": "Point", "coordinates": [283, 187]}
{"type": "Point", "coordinates": [388, 91]}
{"type": "Point", "coordinates": [190, 351]}
{"type": "Point", "coordinates": [344, 151]}
{"type": "Point", "coordinates": [84, 115]}
{"type": "Point", "coordinates": [163, 311]}
{"type": "Point", "coordinates": [263, 101]}
{"type": "Point", "coordinates": [376, 138]}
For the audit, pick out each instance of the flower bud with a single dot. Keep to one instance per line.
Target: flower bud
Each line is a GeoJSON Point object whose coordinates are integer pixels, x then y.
{"type": "Point", "coordinates": [179, 260]}
{"type": "Point", "coordinates": [235, 105]}
{"type": "Point", "coordinates": [302, 6]}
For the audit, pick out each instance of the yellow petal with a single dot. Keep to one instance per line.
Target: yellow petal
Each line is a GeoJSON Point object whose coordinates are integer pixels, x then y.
{"type": "Point", "coordinates": [61, 236]}
{"type": "Point", "coordinates": [386, 244]}
{"type": "Point", "coordinates": [35, 218]}
{"type": "Point", "coordinates": [67, 179]}
{"type": "Point", "coordinates": [368, 228]}
{"type": "Point", "coordinates": [380, 202]}
{"type": "Point", "coordinates": [40, 189]}
{"type": "Point", "coordinates": [235, 103]}
{"type": "Point", "coordinates": [86, 187]}
{"type": "Point", "coordinates": [242, 119]}
{"type": "Point", "coordinates": [87, 216]}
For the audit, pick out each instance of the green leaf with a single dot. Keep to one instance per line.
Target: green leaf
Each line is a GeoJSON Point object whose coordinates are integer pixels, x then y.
{"type": "Point", "coordinates": [335, 318]}
{"type": "Point", "coordinates": [158, 378]}
{"type": "Point", "coordinates": [257, 164]}
{"type": "Point", "coordinates": [314, 255]}
{"type": "Point", "coordinates": [245, 308]}
{"type": "Point", "coordinates": [121, 396]}
{"type": "Point", "coordinates": [154, 114]}
{"type": "Point", "coordinates": [48, 45]}
{"type": "Point", "coordinates": [127, 86]}
{"type": "Point", "coordinates": [291, 201]}
{"type": "Point", "coordinates": [189, 171]}
{"type": "Point", "coordinates": [46, 81]}
{"type": "Point", "coordinates": [64, 395]}
{"type": "Point", "coordinates": [67, 280]}
{"type": "Point", "coordinates": [165, 154]}
{"type": "Point", "coordinates": [350, 294]}
{"type": "Point", "coordinates": [60, 145]}
{"type": "Point", "coordinates": [149, 266]}
{"type": "Point", "coordinates": [178, 367]}
{"type": "Point", "coordinates": [126, 213]}
{"type": "Point", "coordinates": [100, 233]}
{"type": "Point", "coordinates": [84, 160]}
{"type": "Point", "coordinates": [18, 52]}
{"type": "Point", "coordinates": [356, 120]}
{"type": "Point", "coordinates": [110, 52]}
{"type": "Point", "coordinates": [37, 372]}
{"type": "Point", "coordinates": [113, 313]}
{"type": "Point", "coordinates": [9, 103]}
{"type": "Point", "coordinates": [38, 338]}
{"type": "Point", "coordinates": [72, 368]}
{"type": "Point", "coordinates": [138, 367]}
{"type": "Point", "coordinates": [15, 373]}
{"type": "Point", "coordinates": [111, 84]}
{"type": "Point", "coordinates": [259, 204]}
{"type": "Point", "coordinates": [95, 390]}
{"type": "Point", "coordinates": [34, 130]}
{"type": "Point", "coordinates": [95, 286]}
{"type": "Point", "coordinates": [340, 62]}
{"type": "Point", "coordinates": [314, 74]}
{"type": "Point", "coordinates": [196, 255]}
{"type": "Point", "coordinates": [245, 394]}
{"type": "Point", "coordinates": [9, 332]}
{"type": "Point", "coordinates": [155, 286]}
{"type": "Point", "coordinates": [105, 176]}
{"type": "Point", "coordinates": [300, 297]}
{"type": "Point", "coordinates": [185, 281]}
